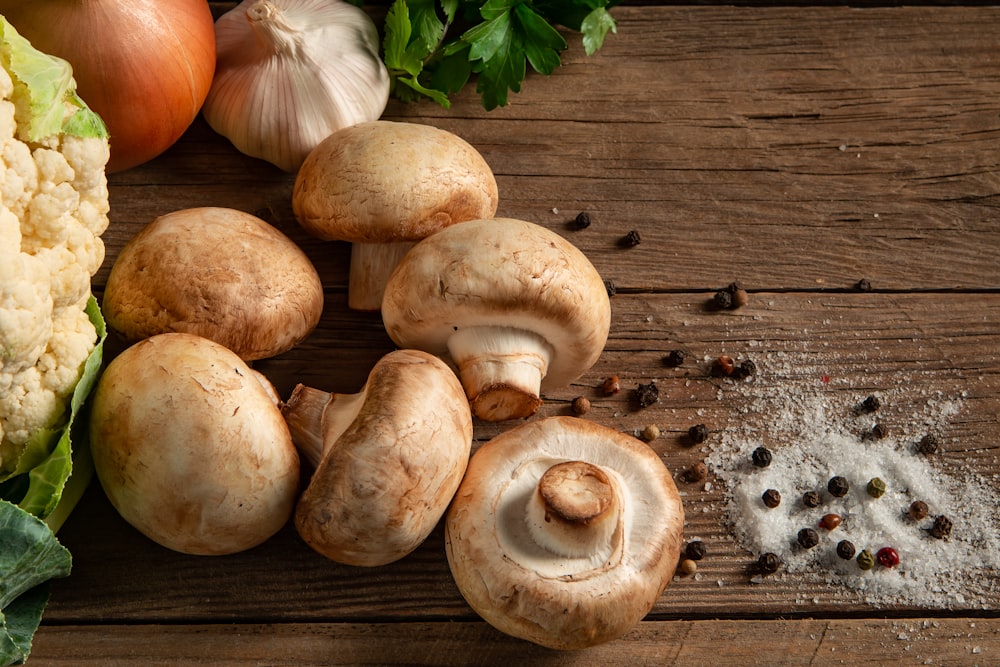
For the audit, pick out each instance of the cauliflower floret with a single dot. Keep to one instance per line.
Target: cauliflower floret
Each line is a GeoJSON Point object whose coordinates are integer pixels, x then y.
{"type": "Point", "coordinates": [53, 209]}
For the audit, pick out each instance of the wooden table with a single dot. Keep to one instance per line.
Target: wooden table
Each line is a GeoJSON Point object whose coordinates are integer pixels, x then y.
{"type": "Point", "coordinates": [797, 150]}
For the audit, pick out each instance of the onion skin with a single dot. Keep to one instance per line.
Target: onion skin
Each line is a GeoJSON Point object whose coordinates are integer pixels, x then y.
{"type": "Point", "coordinates": [144, 66]}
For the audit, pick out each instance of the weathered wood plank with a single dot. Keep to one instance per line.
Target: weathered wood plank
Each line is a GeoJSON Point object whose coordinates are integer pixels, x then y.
{"type": "Point", "coordinates": [916, 641]}
{"type": "Point", "coordinates": [790, 147]}
{"type": "Point", "coordinates": [911, 348]}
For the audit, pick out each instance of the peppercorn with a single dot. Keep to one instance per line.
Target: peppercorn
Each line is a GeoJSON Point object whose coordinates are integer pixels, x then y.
{"type": "Point", "coordinates": [697, 473]}
{"type": "Point", "coordinates": [582, 220]}
{"type": "Point", "coordinates": [887, 557]}
{"type": "Point", "coordinates": [768, 563]}
{"type": "Point", "coordinates": [941, 528]}
{"type": "Point", "coordinates": [870, 404]}
{"type": "Point", "coordinates": [845, 549]}
{"type": "Point", "coordinates": [687, 567]}
{"type": "Point", "coordinates": [879, 432]}
{"type": "Point", "coordinates": [865, 560]}
{"type": "Point", "coordinates": [830, 521]}
{"type": "Point", "coordinates": [609, 285]}
{"type": "Point", "coordinates": [580, 405]}
{"type": "Point", "coordinates": [674, 359]}
{"type": "Point", "coordinates": [808, 538]}
{"type": "Point", "coordinates": [722, 299]}
{"type": "Point", "coordinates": [918, 510]}
{"type": "Point", "coordinates": [810, 499]}
{"type": "Point", "coordinates": [695, 550]}
{"type": "Point", "coordinates": [650, 433]}
{"type": "Point", "coordinates": [647, 394]}
{"type": "Point", "coordinates": [761, 457]}
{"type": "Point", "coordinates": [611, 386]}
{"type": "Point", "coordinates": [838, 486]}
{"type": "Point", "coordinates": [746, 368]}
{"type": "Point", "coordinates": [928, 445]}
{"type": "Point", "coordinates": [875, 487]}
{"type": "Point", "coordinates": [864, 285]}
{"type": "Point", "coordinates": [740, 297]}
{"type": "Point", "coordinates": [771, 498]}
{"type": "Point", "coordinates": [723, 366]}
{"type": "Point", "coordinates": [632, 239]}
{"type": "Point", "coordinates": [698, 434]}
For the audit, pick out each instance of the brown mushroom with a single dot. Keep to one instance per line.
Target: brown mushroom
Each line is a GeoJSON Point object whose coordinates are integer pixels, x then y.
{"type": "Point", "coordinates": [517, 308]}
{"type": "Point", "coordinates": [388, 459]}
{"type": "Point", "coordinates": [564, 532]}
{"type": "Point", "coordinates": [218, 273]}
{"type": "Point", "coordinates": [190, 447]}
{"type": "Point", "coordinates": [385, 185]}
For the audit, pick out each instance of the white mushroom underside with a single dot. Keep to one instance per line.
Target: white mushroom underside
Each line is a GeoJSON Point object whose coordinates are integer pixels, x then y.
{"type": "Point", "coordinates": [488, 356]}
{"type": "Point", "coordinates": [517, 529]}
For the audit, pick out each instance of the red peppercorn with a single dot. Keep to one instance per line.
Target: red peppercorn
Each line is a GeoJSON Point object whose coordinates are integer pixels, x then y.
{"type": "Point", "coordinates": [830, 521]}
{"type": "Point", "coordinates": [611, 386]}
{"type": "Point", "coordinates": [887, 557]}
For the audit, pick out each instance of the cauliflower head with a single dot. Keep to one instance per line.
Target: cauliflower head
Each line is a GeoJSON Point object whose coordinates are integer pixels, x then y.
{"type": "Point", "coordinates": [53, 210]}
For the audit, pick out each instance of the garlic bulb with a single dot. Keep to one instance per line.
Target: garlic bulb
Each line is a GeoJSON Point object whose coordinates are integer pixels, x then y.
{"type": "Point", "coordinates": [289, 73]}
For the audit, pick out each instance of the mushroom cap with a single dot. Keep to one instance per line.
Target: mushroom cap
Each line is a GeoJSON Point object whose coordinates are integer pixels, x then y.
{"type": "Point", "coordinates": [386, 181]}
{"type": "Point", "coordinates": [386, 481]}
{"type": "Point", "coordinates": [561, 601]}
{"type": "Point", "coordinates": [501, 273]}
{"type": "Point", "coordinates": [190, 447]}
{"type": "Point", "coordinates": [218, 273]}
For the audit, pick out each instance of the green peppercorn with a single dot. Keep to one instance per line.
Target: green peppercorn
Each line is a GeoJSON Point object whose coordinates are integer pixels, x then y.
{"type": "Point", "coordinates": [866, 559]}
{"type": "Point", "coordinates": [808, 538]}
{"type": "Point", "coordinates": [771, 498]}
{"type": "Point", "coordinates": [761, 457]}
{"type": "Point", "coordinates": [845, 549]}
{"type": "Point", "coordinates": [810, 499]}
{"type": "Point", "coordinates": [838, 486]}
{"type": "Point", "coordinates": [876, 487]}
{"type": "Point", "coordinates": [768, 563]}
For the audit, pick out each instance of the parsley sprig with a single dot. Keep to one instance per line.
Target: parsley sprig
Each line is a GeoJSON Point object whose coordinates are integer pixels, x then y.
{"type": "Point", "coordinates": [433, 48]}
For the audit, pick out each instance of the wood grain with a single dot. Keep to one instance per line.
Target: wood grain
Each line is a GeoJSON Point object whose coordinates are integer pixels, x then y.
{"type": "Point", "coordinates": [796, 149]}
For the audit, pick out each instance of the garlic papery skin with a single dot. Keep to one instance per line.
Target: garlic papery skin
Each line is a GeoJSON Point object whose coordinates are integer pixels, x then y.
{"type": "Point", "coordinates": [289, 73]}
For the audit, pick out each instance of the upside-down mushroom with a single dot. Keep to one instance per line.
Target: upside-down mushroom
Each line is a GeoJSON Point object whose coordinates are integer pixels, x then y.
{"type": "Point", "coordinates": [516, 307]}
{"type": "Point", "coordinates": [564, 532]}
{"type": "Point", "coordinates": [383, 186]}
{"type": "Point", "coordinates": [388, 458]}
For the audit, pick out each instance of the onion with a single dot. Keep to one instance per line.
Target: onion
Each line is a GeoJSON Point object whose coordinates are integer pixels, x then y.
{"type": "Point", "coordinates": [145, 66]}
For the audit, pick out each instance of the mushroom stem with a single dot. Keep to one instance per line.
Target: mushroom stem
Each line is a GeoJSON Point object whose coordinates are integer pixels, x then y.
{"type": "Point", "coordinates": [501, 369]}
{"type": "Point", "coordinates": [574, 510]}
{"type": "Point", "coordinates": [317, 419]}
{"type": "Point", "coordinates": [371, 266]}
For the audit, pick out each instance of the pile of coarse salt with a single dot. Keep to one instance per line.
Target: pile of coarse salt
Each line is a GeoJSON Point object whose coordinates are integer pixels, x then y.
{"type": "Point", "coordinates": [814, 433]}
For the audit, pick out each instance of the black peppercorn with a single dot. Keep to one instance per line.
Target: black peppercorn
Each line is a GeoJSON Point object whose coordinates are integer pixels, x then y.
{"type": "Point", "coordinates": [928, 445]}
{"type": "Point", "coordinates": [808, 538]}
{"type": "Point", "coordinates": [838, 486]}
{"type": "Point", "coordinates": [810, 499]}
{"type": "Point", "coordinates": [941, 528]}
{"type": "Point", "coordinates": [609, 285]}
{"type": "Point", "coordinates": [761, 457]}
{"type": "Point", "coordinates": [746, 368]}
{"type": "Point", "coordinates": [723, 299]}
{"type": "Point", "coordinates": [870, 404]}
{"type": "Point", "coordinates": [771, 498]}
{"type": "Point", "coordinates": [768, 563]}
{"type": "Point", "coordinates": [674, 359]}
{"type": "Point", "coordinates": [698, 434]}
{"type": "Point", "coordinates": [879, 432]}
{"type": "Point", "coordinates": [582, 220]}
{"type": "Point", "coordinates": [695, 550]}
{"type": "Point", "coordinates": [631, 239]}
{"type": "Point", "coordinates": [918, 510]}
{"type": "Point", "coordinates": [845, 549]}
{"type": "Point", "coordinates": [864, 285]}
{"type": "Point", "coordinates": [647, 394]}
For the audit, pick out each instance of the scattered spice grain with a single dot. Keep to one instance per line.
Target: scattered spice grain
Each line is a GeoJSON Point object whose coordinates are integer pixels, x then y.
{"type": "Point", "coordinates": [650, 433]}
{"type": "Point", "coordinates": [647, 394]}
{"type": "Point", "coordinates": [845, 549]}
{"type": "Point", "coordinates": [746, 368]}
{"type": "Point", "coordinates": [865, 559]}
{"type": "Point", "coordinates": [875, 487]}
{"type": "Point", "coordinates": [698, 434]}
{"type": "Point", "coordinates": [838, 486]}
{"type": "Point", "coordinates": [941, 528]}
{"type": "Point", "coordinates": [695, 550]}
{"type": "Point", "coordinates": [830, 521]}
{"type": "Point", "coordinates": [609, 285]}
{"type": "Point", "coordinates": [580, 406]}
{"type": "Point", "coordinates": [870, 404]}
{"type": "Point", "coordinates": [687, 567]}
{"type": "Point", "coordinates": [887, 557]}
{"type": "Point", "coordinates": [928, 444]}
{"type": "Point", "coordinates": [582, 220]}
{"type": "Point", "coordinates": [810, 499]}
{"type": "Point", "coordinates": [611, 385]}
{"type": "Point", "coordinates": [674, 359]}
{"type": "Point", "coordinates": [918, 510]}
{"type": "Point", "coordinates": [771, 498]}
{"type": "Point", "coordinates": [768, 563]}
{"type": "Point", "coordinates": [761, 457]}
{"type": "Point", "coordinates": [807, 538]}
{"type": "Point", "coordinates": [722, 299]}
{"type": "Point", "coordinates": [632, 239]}
{"type": "Point", "coordinates": [723, 366]}
{"type": "Point", "coordinates": [697, 473]}
{"type": "Point", "coordinates": [863, 285]}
